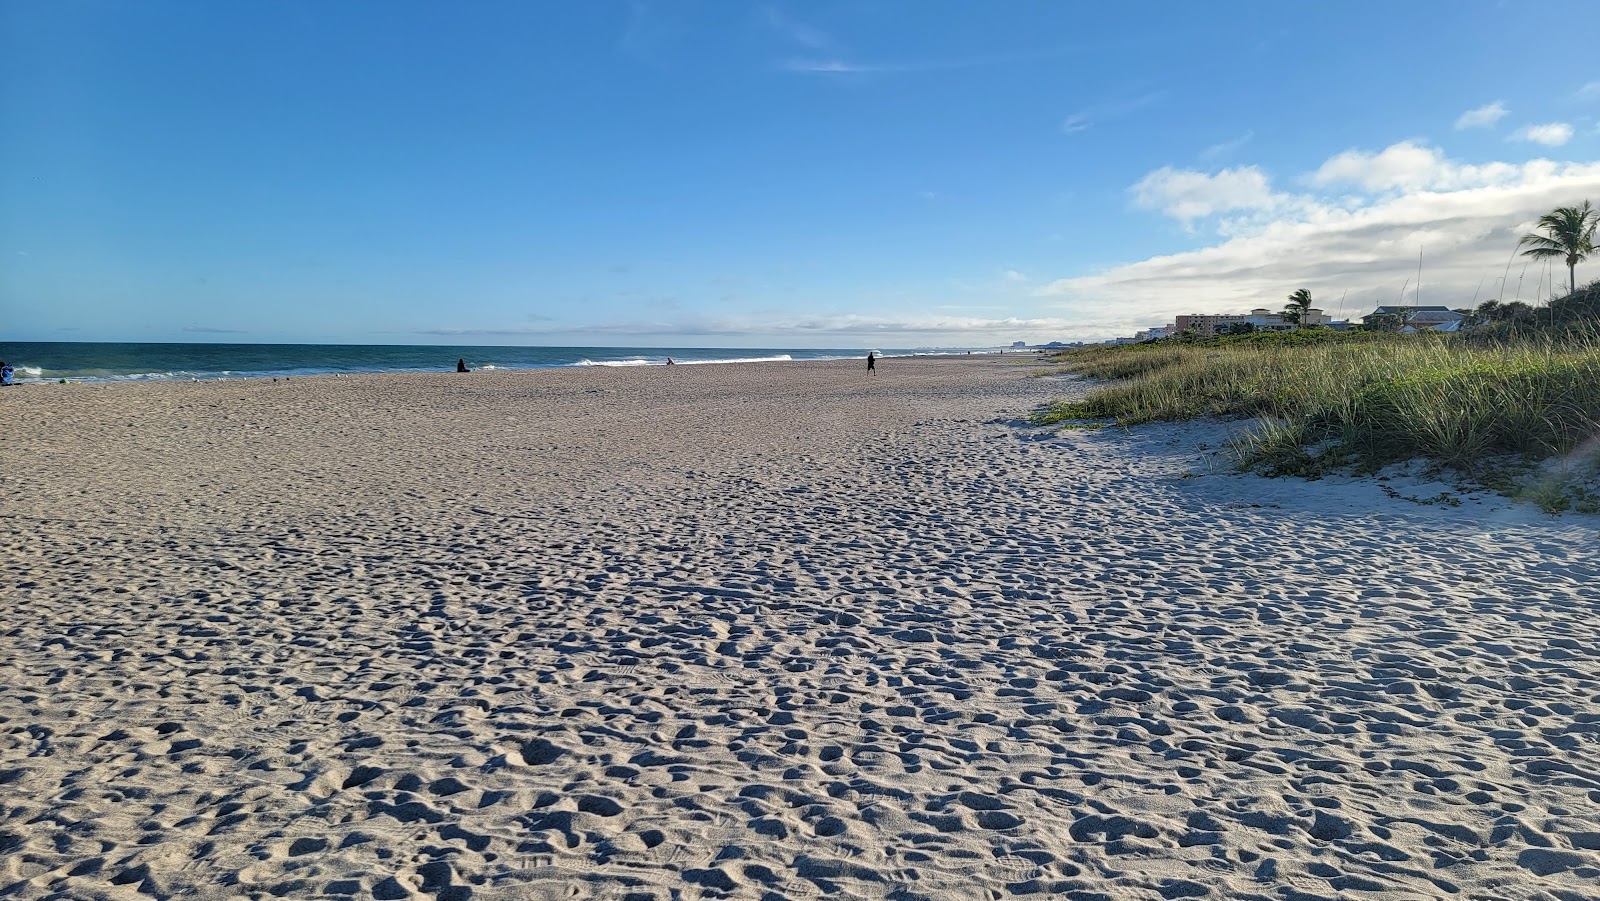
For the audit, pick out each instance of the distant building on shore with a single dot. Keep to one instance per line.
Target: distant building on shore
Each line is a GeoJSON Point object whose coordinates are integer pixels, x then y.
{"type": "Point", "coordinates": [1416, 319]}
{"type": "Point", "coordinates": [1210, 325]}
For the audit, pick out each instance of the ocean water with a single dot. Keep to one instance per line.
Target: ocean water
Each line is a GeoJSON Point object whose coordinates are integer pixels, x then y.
{"type": "Point", "coordinates": [103, 362]}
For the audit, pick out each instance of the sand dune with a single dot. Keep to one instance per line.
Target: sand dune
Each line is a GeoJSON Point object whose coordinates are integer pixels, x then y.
{"type": "Point", "coordinates": [762, 631]}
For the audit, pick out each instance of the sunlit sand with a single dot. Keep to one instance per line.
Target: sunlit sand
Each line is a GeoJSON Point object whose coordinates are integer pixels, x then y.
{"type": "Point", "coordinates": [778, 630]}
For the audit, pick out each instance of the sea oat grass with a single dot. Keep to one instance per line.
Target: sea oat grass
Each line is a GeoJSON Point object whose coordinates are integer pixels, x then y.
{"type": "Point", "coordinates": [1366, 403]}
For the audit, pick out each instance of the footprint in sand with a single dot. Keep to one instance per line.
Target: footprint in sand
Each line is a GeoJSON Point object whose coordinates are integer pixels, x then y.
{"type": "Point", "coordinates": [1012, 868]}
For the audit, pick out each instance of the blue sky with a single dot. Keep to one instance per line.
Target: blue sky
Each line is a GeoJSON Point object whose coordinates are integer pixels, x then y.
{"type": "Point", "coordinates": [802, 174]}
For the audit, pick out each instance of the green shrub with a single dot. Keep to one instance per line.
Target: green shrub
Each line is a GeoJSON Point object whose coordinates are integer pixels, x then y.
{"type": "Point", "coordinates": [1367, 400]}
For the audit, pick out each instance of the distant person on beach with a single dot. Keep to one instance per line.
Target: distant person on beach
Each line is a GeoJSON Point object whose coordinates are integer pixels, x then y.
{"type": "Point", "coordinates": [872, 362]}
{"type": "Point", "coordinates": [7, 374]}
{"type": "Point", "coordinates": [669, 361]}
{"type": "Point", "coordinates": [461, 365]}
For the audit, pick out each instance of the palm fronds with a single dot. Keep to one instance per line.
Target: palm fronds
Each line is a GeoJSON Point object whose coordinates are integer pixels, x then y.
{"type": "Point", "coordinates": [1571, 232]}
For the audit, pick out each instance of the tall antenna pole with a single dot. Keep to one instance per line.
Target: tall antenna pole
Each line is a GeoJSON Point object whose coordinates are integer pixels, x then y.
{"type": "Point", "coordinates": [1506, 276]}
{"type": "Point", "coordinates": [1549, 297]}
{"type": "Point", "coordinates": [1419, 275]}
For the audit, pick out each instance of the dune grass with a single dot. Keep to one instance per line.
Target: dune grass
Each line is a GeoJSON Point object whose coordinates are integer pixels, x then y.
{"type": "Point", "coordinates": [1359, 400]}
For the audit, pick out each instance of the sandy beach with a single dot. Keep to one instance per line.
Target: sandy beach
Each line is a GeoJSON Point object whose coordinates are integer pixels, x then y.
{"type": "Point", "coordinates": [769, 631]}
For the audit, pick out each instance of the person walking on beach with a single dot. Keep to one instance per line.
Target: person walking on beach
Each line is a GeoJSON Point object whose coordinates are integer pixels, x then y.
{"type": "Point", "coordinates": [872, 361]}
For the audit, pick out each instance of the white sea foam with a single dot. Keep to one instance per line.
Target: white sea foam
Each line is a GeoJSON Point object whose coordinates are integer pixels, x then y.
{"type": "Point", "coordinates": [34, 373]}
{"type": "Point", "coordinates": [137, 363]}
{"type": "Point", "coordinates": [140, 377]}
{"type": "Point", "coordinates": [780, 358]}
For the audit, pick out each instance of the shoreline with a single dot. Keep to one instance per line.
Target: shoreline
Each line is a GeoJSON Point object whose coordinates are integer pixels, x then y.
{"type": "Point", "coordinates": [494, 372]}
{"type": "Point", "coordinates": [761, 632]}
{"type": "Point", "coordinates": [583, 361]}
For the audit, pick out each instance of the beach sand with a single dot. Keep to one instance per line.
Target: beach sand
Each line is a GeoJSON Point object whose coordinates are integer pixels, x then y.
{"type": "Point", "coordinates": [762, 631]}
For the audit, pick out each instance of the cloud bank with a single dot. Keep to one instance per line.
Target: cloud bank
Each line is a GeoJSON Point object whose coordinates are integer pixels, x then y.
{"type": "Point", "coordinates": [1353, 231]}
{"type": "Point", "coordinates": [779, 329]}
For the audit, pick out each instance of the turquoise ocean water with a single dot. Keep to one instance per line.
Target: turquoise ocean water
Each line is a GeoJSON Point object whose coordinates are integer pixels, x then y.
{"type": "Point", "coordinates": [95, 361]}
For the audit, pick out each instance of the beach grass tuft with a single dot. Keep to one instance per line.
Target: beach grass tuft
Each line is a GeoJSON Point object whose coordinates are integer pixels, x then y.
{"type": "Point", "coordinates": [1361, 400]}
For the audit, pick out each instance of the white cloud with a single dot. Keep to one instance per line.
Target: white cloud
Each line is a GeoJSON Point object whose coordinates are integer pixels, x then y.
{"type": "Point", "coordinates": [1085, 119]}
{"type": "Point", "coordinates": [913, 330]}
{"type": "Point", "coordinates": [1227, 148]}
{"type": "Point", "coordinates": [1483, 117]}
{"type": "Point", "coordinates": [479, 332]}
{"type": "Point", "coordinates": [1012, 275]}
{"type": "Point", "coordinates": [1408, 166]}
{"type": "Point", "coordinates": [1466, 220]}
{"type": "Point", "coordinates": [1187, 195]}
{"type": "Point", "coordinates": [1403, 165]}
{"type": "Point", "coordinates": [1590, 91]}
{"type": "Point", "coordinates": [824, 66]}
{"type": "Point", "coordinates": [835, 65]}
{"type": "Point", "coordinates": [1553, 134]}
{"type": "Point", "coordinates": [880, 325]}
{"type": "Point", "coordinates": [1075, 123]}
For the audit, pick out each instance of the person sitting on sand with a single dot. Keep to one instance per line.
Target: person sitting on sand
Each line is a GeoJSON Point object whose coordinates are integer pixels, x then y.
{"type": "Point", "coordinates": [7, 374]}
{"type": "Point", "coordinates": [461, 365]}
{"type": "Point", "coordinates": [872, 362]}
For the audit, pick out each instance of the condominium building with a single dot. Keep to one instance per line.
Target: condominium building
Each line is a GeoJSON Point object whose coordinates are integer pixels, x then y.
{"type": "Point", "coordinates": [1209, 325]}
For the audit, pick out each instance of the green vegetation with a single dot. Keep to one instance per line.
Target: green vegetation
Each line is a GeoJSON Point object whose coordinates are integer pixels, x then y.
{"type": "Point", "coordinates": [1299, 304]}
{"type": "Point", "coordinates": [1519, 386]}
{"type": "Point", "coordinates": [1570, 238]}
{"type": "Point", "coordinates": [1322, 399]}
{"type": "Point", "coordinates": [1573, 318]}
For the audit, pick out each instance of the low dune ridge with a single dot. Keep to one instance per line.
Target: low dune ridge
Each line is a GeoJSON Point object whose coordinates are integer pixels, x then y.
{"type": "Point", "coordinates": [774, 631]}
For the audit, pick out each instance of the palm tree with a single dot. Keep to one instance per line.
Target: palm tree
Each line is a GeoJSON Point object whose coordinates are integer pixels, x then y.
{"type": "Point", "coordinates": [1299, 303]}
{"type": "Point", "coordinates": [1571, 236]}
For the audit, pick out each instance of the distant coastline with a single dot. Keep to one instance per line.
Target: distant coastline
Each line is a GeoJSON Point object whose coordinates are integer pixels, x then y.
{"type": "Point", "coordinates": [43, 362]}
